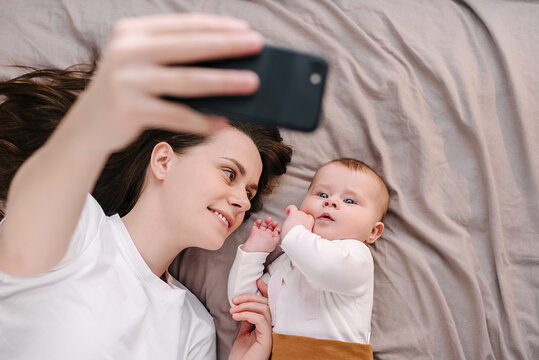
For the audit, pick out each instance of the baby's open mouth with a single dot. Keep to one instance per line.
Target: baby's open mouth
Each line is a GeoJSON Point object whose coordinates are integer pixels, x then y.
{"type": "Point", "coordinates": [326, 216]}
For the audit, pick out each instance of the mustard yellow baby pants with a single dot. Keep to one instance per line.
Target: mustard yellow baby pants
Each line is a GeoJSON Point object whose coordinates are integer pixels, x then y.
{"type": "Point", "coordinates": [291, 347]}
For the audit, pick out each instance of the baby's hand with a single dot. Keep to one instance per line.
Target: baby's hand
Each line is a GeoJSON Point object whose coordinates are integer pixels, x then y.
{"type": "Point", "coordinates": [296, 217]}
{"type": "Point", "coordinates": [264, 236]}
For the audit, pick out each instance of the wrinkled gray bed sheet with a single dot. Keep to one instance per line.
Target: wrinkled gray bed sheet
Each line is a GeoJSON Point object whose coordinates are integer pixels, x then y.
{"type": "Point", "coordinates": [441, 97]}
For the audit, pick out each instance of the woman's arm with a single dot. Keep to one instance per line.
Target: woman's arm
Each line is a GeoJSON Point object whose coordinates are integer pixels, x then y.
{"type": "Point", "coordinates": [47, 193]}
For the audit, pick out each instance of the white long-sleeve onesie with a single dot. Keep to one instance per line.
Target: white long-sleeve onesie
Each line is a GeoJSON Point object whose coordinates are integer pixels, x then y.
{"type": "Point", "coordinates": [317, 288]}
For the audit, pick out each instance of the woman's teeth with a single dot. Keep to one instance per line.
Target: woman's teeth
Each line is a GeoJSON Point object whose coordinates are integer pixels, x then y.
{"type": "Point", "coordinates": [221, 217]}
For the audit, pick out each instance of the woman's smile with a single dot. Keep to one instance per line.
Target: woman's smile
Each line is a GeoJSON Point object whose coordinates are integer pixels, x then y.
{"type": "Point", "coordinates": [223, 217]}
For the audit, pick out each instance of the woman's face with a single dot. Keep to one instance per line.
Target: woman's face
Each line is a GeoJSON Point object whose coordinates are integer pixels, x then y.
{"type": "Point", "coordinates": [208, 189]}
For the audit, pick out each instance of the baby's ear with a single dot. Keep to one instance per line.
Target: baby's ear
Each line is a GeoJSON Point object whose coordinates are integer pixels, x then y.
{"type": "Point", "coordinates": [376, 231]}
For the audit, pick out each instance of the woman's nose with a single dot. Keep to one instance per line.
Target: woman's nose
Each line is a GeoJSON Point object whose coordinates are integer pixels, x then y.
{"type": "Point", "coordinates": [239, 198]}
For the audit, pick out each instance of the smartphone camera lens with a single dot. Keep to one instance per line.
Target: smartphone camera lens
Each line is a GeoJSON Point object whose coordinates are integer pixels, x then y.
{"type": "Point", "coordinates": [316, 73]}
{"type": "Point", "coordinates": [315, 78]}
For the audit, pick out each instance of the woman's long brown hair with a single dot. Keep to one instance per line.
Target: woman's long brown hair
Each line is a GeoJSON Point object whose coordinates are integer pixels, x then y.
{"type": "Point", "coordinates": [32, 105]}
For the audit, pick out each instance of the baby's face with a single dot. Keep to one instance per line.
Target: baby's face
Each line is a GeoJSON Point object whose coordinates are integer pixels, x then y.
{"type": "Point", "coordinates": [345, 203]}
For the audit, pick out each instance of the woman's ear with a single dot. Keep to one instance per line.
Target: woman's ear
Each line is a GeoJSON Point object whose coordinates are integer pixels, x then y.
{"type": "Point", "coordinates": [162, 155]}
{"type": "Point", "coordinates": [376, 231]}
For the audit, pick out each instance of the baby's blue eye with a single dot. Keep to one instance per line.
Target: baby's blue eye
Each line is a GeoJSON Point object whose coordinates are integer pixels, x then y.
{"type": "Point", "coordinates": [349, 201]}
{"type": "Point", "coordinates": [323, 195]}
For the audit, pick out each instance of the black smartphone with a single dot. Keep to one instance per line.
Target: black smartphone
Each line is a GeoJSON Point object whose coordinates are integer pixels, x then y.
{"type": "Point", "coordinates": [290, 92]}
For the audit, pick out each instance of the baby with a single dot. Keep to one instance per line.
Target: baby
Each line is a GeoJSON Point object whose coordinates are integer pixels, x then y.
{"type": "Point", "coordinates": [321, 289]}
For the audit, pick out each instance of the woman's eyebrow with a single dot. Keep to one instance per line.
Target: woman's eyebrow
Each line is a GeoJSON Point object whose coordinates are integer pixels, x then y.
{"type": "Point", "coordinates": [241, 168]}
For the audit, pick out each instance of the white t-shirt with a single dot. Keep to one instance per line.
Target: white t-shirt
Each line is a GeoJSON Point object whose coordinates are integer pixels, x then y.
{"type": "Point", "coordinates": [318, 288]}
{"type": "Point", "coordinates": [102, 302]}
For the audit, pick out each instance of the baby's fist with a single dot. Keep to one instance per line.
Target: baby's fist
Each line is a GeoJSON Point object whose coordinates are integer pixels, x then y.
{"type": "Point", "coordinates": [296, 217]}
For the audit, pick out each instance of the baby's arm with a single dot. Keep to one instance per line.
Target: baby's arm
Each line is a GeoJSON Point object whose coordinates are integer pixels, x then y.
{"type": "Point", "coordinates": [250, 257]}
{"type": "Point", "coordinates": [342, 266]}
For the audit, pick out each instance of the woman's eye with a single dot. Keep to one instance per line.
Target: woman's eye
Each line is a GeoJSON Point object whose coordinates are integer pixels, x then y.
{"type": "Point", "coordinates": [323, 195]}
{"type": "Point", "coordinates": [250, 195]}
{"type": "Point", "coordinates": [230, 174]}
{"type": "Point", "coordinates": [349, 201]}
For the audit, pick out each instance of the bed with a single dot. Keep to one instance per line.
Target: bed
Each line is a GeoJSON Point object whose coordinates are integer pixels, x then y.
{"type": "Point", "coordinates": [440, 97]}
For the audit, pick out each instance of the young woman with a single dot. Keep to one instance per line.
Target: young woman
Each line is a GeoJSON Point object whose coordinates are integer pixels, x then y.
{"type": "Point", "coordinates": [76, 283]}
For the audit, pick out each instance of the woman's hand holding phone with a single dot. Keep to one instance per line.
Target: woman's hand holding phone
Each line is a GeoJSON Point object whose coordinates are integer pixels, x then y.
{"type": "Point", "coordinates": [125, 95]}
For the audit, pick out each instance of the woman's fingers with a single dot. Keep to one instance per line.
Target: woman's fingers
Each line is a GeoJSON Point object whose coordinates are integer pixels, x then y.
{"type": "Point", "coordinates": [177, 117]}
{"type": "Point", "coordinates": [166, 23]}
{"type": "Point", "coordinates": [259, 321]}
{"type": "Point", "coordinates": [125, 96]}
{"type": "Point", "coordinates": [243, 298]}
{"type": "Point", "coordinates": [185, 48]}
{"type": "Point", "coordinates": [262, 287]}
{"type": "Point", "coordinates": [257, 305]}
{"type": "Point", "coordinates": [194, 82]}
{"type": "Point", "coordinates": [253, 311]}
{"type": "Point", "coordinates": [181, 38]}
{"type": "Point", "coordinates": [251, 303]}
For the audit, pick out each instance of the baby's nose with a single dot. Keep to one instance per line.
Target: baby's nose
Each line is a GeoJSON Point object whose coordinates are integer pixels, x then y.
{"type": "Point", "coordinates": [330, 202]}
